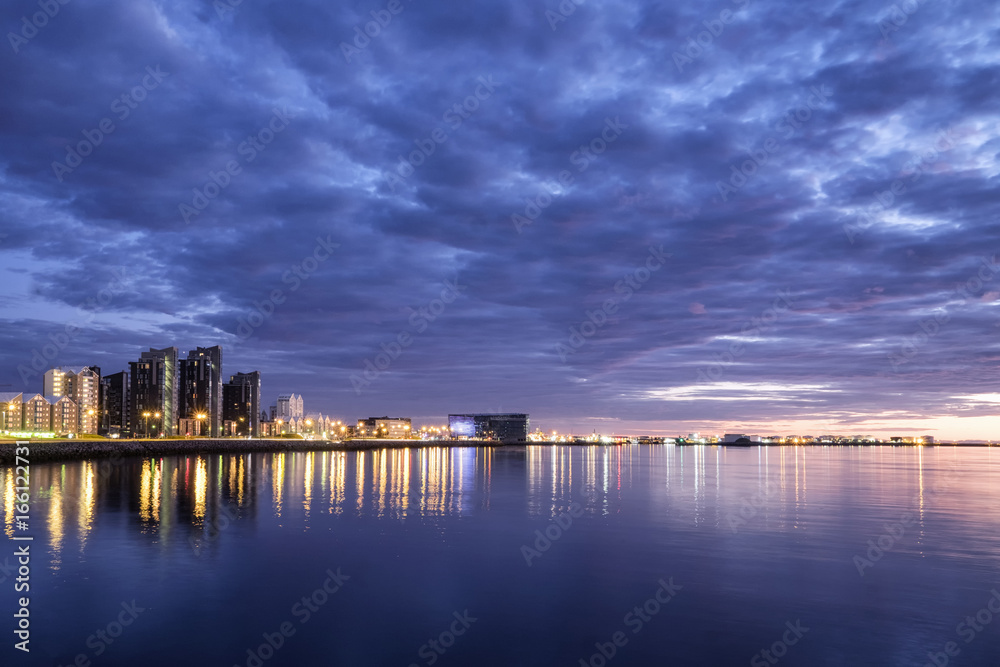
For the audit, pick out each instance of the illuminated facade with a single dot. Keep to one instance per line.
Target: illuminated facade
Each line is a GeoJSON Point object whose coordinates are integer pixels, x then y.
{"type": "Point", "coordinates": [509, 427]}
{"type": "Point", "coordinates": [11, 411]}
{"type": "Point", "coordinates": [385, 427]}
{"type": "Point", "coordinates": [289, 406]}
{"type": "Point", "coordinates": [64, 414]}
{"type": "Point", "coordinates": [36, 414]}
{"type": "Point", "coordinates": [82, 385]}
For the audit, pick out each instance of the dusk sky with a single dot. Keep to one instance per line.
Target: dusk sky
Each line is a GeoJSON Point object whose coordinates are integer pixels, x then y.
{"type": "Point", "coordinates": [763, 217]}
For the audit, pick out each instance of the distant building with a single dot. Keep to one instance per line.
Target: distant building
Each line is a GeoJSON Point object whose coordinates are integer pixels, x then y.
{"type": "Point", "coordinates": [200, 389]}
{"type": "Point", "coordinates": [385, 427]}
{"type": "Point", "coordinates": [115, 404]}
{"type": "Point", "coordinates": [241, 404]}
{"type": "Point", "coordinates": [289, 406]}
{"type": "Point", "coordinates": [82, 385]}
{"type": "Point", "coordinates": [510, 427]}
{"type": "Point", "coordinates": [154, 389]}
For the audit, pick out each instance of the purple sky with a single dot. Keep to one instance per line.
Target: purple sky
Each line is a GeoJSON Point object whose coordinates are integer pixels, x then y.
{"type": "Point", "coordinates": [780, 217]}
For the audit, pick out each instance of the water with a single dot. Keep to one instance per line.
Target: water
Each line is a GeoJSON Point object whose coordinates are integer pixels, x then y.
{"type": "Point", "coordinates": [217, 553]}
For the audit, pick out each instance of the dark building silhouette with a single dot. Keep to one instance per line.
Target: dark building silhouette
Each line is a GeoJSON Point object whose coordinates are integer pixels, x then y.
{"type": "Point", "coordinates": [154, 390]}
{"type": "Point", "coordinates": [200, 387]}
{"type": "Point", "coordinates": [115, 403]}
{"type": "Point", "coordinates": [510, 427]}
{"type": "Point", "coordinates": [241, 403]}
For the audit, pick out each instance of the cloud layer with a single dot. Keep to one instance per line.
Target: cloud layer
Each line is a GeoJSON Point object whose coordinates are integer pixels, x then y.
{"type": "Point", "coordinates": [487, 181]}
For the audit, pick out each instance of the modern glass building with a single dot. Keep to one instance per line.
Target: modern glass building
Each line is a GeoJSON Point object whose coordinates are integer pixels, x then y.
{"type": "Point", "coordinates": [241, 404]}
{"type": "Point", "coordinates": [507, 428]}
{"type": "Point", "coordinates": [155, 392]}
{"type": "Point", "coordinates": [201, 387]}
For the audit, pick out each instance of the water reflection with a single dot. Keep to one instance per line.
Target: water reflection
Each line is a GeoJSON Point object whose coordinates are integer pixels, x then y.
{"type": "Point", "coordinates": [702, 486]}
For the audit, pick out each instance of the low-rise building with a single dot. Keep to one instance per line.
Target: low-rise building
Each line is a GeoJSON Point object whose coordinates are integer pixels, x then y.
{"type": "Point", "coordinates": [396, 428]}
{"type": "Point", "coordinates": [11, 412]}
{"type": "Point", "coordinates": [64, 414]}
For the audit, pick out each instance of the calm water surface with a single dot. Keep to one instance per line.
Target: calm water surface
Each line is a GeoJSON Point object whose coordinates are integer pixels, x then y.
{"type": "Point", "coordinates": [220, 552]}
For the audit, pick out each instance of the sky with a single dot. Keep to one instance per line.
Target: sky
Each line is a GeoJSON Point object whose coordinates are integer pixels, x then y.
{"type": "Point", "coordinates": [622, 217]}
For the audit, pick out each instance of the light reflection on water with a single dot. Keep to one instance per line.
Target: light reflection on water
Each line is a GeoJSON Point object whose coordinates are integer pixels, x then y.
{"type": "Point", "coordinates": [758, 536]}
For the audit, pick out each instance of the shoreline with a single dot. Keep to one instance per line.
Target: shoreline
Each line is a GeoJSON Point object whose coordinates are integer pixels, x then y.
{"type": "Point", "coordinates": [42, 451]}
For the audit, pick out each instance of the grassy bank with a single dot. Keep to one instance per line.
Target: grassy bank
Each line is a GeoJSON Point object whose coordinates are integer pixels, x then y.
{"type": "Point", "coordinates": [70, 450]}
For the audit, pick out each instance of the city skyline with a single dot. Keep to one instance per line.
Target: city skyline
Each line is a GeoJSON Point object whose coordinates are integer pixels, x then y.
{"type": "Point", "coordinates": [643, 218]}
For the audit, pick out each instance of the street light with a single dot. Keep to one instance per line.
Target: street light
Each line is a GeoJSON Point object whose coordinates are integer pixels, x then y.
{"type": "Point", "coordinates": [145, 430]}
{"type": "Point", "coordinates": [201, 416]}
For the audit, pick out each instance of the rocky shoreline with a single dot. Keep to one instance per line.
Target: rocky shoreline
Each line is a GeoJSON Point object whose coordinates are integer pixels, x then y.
{"type": "Point", "coordinates": [74, 450]}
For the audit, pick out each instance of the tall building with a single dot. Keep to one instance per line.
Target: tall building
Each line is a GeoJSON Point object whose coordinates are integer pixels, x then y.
{"type": "Point", "coordinates": [290, 406]}
{"type": "Point", "coordinates": [154, 388]}
{"type": "Point", "coordinates": [82, 385]}
{"type": "Point", "coordinates": [115, 404]}
{"type": "Point", "coordinates": [241, 404]}
{"type": "Point", "coordinates": [200, 387]}
{"type": "Point", "coordinates": [385, 427]}
{"type": "Point", "coordinates": [510, 427]}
